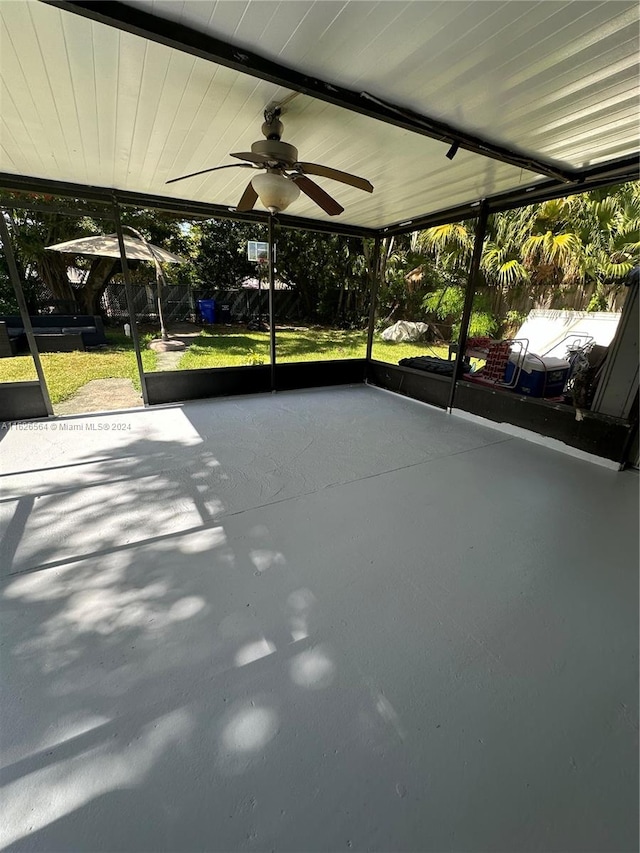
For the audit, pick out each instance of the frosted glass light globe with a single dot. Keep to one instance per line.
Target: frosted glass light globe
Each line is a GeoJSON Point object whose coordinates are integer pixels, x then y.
{"type": "Point", "coordinates": [275, 191]}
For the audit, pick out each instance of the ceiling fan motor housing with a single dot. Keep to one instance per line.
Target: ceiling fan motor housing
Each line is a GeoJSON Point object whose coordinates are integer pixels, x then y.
{"type": "Point", "coordinates": [281, 177]}
{"type": "Point", "coordinates": [275, 151]}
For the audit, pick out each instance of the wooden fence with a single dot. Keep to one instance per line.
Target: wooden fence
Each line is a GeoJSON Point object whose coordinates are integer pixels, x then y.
{"type": "Point", "coordinates": [180, 303]}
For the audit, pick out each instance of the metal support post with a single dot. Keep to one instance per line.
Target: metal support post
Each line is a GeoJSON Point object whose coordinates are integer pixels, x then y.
{"type": "Point", "coordinates": [272, 319]}
{"type": "Point", "coordinates": [375, 281]}
{"type": "Point", "coordinates": [24, 311]}
{"type": "Point", "coordinates": [472, 284]}
{"type": "Point", "coordinates": [130, 303]}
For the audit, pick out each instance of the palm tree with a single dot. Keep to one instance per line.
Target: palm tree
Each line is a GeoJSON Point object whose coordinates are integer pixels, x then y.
{"type": "Point", "coordinates": [501, 266]}
{"type": "Point", "coordinates": [552, 251]}
{"type": "Point", "coordinates": [562, 244]}
{"type": "Point", "coordinates": [610, 232]}
{"type": "Point", "coordinates": [451, 244]}
{"type": "Point", "coordinates": [502, 255]}
{"type": "Point", "coordinates": [567, 252]}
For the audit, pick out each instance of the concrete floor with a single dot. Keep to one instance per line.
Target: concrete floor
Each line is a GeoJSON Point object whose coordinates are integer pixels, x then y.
{"type": "Point", "coordinates": [321, 621]}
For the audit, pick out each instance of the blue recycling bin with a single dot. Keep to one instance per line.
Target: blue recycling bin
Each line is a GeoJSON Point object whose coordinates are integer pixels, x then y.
{"type": "Point", "coordinates": [207, 310]}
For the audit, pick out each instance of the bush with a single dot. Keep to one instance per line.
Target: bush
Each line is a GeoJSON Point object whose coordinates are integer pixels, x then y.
{"type": "Point", "coordinates": [482, 324]}
{"type": "Point", "coordinates": [447, 304]}
{"type": "Point", "coordinates": [512, 322]}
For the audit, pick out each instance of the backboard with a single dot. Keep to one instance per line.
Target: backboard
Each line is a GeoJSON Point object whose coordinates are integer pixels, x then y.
{"type": "Point", "coordinates": [257, 251]}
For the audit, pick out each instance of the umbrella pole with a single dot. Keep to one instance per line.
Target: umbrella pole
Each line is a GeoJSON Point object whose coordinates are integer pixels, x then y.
{"type": "Point", "coordinates": [160, 282]}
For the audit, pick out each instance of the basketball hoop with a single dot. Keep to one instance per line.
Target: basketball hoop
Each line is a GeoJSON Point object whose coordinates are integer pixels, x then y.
{"type": "Point", "coordinates": [257, 252]}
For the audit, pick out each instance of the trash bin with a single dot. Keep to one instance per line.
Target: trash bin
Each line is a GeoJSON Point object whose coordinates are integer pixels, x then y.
{"type": "Point", "coordinates": [207, 310]}
{"type": "Point", "coordinates": [224, 313]}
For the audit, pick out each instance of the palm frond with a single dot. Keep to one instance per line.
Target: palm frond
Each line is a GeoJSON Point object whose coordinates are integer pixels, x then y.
{"type": "Point", "coordinates": [512, 273]}
{"type": "Point", "coordinates": [620, 270]}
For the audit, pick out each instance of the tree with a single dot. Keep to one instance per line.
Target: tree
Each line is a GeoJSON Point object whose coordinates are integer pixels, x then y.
{"type": "Point", "coordinates": [451, 245]}
{"type": "Point", "coordinates": [327, 271]}
{"type": "Point", "coordinates": [574, 251]}
{"type": "Point", "coordinates": [32, 230]}
{"type": "Point", "coordinates": [609, 228]}
{"type": "Point", "coordinates": [587, 238]}
{"type": "Point", "coordinates": [220, 252]}
{"type": "Point", "coordinates": [502, 261]}
{"type": "Point", "coordinates": [404, 276]}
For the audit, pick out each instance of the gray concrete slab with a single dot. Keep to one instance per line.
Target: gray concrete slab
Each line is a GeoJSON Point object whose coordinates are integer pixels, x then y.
{"type": "Point", "coordinates": [318, 621]}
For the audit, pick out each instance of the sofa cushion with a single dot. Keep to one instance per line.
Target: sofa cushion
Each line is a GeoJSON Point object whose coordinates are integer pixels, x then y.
{"type": "Point", "coordinates": [75, 330]}
{"type": "Point", "coordinates": [47, 330]}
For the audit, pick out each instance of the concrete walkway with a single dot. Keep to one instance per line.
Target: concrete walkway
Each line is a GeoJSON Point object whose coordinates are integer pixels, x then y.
{"type": "Point", "coordinates": [101, 395]}
{"type": "Point", "coordinates": [169, 360]}
{"type": "Point", "coordinates": [104, 395]}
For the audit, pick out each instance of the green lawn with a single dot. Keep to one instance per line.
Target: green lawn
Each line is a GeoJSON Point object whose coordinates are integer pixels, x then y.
{"type": "Point", "coordinates": [392, 353]}
{"type": "Point", "coordinates": [226, 347]}
{"type": "Point", "coordinates": [66, 372]}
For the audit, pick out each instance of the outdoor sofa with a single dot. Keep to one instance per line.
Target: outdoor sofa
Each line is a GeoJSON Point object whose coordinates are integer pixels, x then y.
{"type": "Point", "coordinates": [53, 333]}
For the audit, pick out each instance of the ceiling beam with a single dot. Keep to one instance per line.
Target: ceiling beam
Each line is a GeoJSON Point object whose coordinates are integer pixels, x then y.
{"type": "Point", "coordinates": [603, 175]}
{"type": "Point", "coordinates": [185, 39]}
{"type": "Point", "coordinates": [177, 206]}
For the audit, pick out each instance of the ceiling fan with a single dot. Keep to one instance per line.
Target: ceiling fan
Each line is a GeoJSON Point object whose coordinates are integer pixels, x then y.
{"type": "Point", "coordinates": [282, 175]}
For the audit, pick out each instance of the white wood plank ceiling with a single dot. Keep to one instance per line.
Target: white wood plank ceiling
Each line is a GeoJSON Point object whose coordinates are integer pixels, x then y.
{"type": "Point", "coordinates": [87, 103]}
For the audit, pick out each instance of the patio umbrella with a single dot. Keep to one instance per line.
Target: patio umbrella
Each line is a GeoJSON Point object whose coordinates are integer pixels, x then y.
{"type": "Point", "coordinates": [106, 246]}
{"type": "Point", "coordinates": [136, 248]}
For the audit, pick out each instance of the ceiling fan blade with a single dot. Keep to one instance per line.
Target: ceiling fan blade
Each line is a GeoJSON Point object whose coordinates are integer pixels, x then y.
{"type": "Point", "coordinates": [249, 198]}
{"type": "Point", "coordinates": [250, 156]}
{"type": "Point", "coordinates": [335, 175]}
{"type": "Point", "coordinates": [317, 194]}
{"type": "Point", "coordinates": [214, 169]}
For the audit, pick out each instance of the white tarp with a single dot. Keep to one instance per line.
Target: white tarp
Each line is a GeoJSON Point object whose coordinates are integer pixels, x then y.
{"type": "Point", "coordinates": [404, 330]}
{"type": "Point", "coordinates": [551, 332]}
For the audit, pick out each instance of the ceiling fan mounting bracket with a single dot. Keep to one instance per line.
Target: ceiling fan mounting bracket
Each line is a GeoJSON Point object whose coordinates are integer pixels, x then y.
{"type": "Point", "coordinates": [272, 127]}
{"type": "Point", "coordinates": [271, 113]}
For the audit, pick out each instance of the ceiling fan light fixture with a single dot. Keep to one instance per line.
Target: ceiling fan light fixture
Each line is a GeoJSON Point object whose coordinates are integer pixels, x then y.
{"type": "Point", "coordinates": [286, 176]}
{"type": "Point", "coordinates": [276, 192]}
